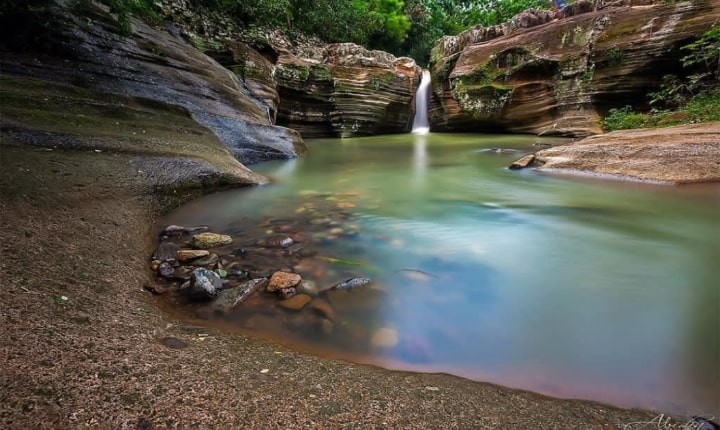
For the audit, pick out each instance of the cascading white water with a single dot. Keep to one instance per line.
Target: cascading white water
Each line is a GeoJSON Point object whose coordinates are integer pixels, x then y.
{"type": "Point", "coordinates": [420, 123]}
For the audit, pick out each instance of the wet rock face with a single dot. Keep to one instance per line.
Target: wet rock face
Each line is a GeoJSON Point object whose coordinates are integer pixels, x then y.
{"type": "Point", "coordinates": [345, 90]}
{"type": "Point", "coordinates": [539, 75]}
{"type": "Point", "coordinates": [204, 285]}
{"type": "Point", "coordinates": [157, 65]}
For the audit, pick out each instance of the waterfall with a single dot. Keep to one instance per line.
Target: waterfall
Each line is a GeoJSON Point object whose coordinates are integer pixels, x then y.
{"type": "Point", "coordinates": [420, 123]}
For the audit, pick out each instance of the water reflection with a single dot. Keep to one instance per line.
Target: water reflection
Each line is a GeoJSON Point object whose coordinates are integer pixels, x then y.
{"type": "Point", "coordinates": [420, 160]}
{"type": "Point", "coordinates": [586, 289]}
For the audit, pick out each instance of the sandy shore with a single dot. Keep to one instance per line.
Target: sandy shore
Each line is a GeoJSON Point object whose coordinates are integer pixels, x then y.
{"type": "Point", "coordinates": [77, 214]}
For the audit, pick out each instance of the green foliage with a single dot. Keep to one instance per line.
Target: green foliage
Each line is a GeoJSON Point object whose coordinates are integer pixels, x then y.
{"type": "Point", "coordinates": [692, 98]}
{"type": "Point", "coordinates": [616, 56]}
{"type": "Point", "coordinates": [123, 10]}
{"type": "Point", "coordinates": [704, 107]}
{"type": "Point", "coordinates": [625, 118]}
{"type": "Point", "coordinates": [406, 27]}
{"type": "Point", "coordinates": [705, 53]}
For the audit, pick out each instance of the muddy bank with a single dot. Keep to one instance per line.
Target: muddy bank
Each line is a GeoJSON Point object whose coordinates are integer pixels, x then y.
{"type": "Point", "coordinates": [83, 342]}
{"type": "Point", "coordinates": [675, 155]}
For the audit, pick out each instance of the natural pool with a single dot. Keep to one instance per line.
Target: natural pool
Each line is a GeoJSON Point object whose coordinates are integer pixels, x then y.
{"type": "Point", "coordinates": [573, 287]}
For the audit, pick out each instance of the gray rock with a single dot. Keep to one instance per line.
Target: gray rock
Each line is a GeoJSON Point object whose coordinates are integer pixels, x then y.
{"type": "Point", "coordinates": [166, 251]}
{"type": "Point", "coordinates": [229, 299]}
{"type": "Point", "coordinates": [307, 287]}
{"type": "Point", "coordinates": [166, 270]}
{"type": "Point", "coordinates": [204, 285]}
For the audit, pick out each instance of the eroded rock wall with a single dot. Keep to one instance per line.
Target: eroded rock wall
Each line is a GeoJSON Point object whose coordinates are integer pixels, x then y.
{"type": "Point", "coordinates": [542, 75]}
{"type": "Point", "coordinates": [84, 48]}
{"type": "Point", "coordinates": [346, 90]}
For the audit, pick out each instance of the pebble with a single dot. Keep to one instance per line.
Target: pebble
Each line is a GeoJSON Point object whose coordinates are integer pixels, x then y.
{"type": "Point", "coordinates": [166, 251]}
{"type": "Point", "coordinates": [191, 254]}
{"type": "Point", "coordinates": [209, 240]}
{"type": "Point", "coordinates": [280, 280]}
{"type": "Point", "coordinates": [307, 287]}
{"type": "Point", "coordinates": [323, 308]}
{"type": "Point", "coordinates": [296, 302]}
{"type": "Point", "coordinates": [173, 343]}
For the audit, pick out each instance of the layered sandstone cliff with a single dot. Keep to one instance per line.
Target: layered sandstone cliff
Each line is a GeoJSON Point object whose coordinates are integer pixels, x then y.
{"type": "Point", "coordinates": [538, 74]}
{"type": "Point", "coordinates": [84, 48]}
{"type": "Point", "coordinates": [318, 89]}
{"type": "Point", "coordinates": [346, 90]}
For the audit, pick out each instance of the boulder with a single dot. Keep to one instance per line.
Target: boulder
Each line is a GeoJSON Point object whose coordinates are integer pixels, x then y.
{"type": "Point", "coordinates": [204, 285]}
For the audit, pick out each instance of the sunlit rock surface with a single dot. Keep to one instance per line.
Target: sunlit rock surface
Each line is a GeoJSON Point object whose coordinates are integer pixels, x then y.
{"type": "Point", "coordinates": [537, 74]}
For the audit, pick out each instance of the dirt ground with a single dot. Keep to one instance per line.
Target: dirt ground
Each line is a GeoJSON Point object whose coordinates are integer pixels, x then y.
{"type": "Point", "coordinates": [77, 223]}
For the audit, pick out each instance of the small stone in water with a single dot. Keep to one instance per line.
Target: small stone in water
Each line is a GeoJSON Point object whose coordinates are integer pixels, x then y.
{"type": "Point", "coordinates": [210, 259]}
{"type": "Point", "coordinates": [191, 254]}
{"type": "Point", "coordinates": [166, 251]}
{"type": "Point", "coordinates": [307, 287]}
{"type": "Point", "coordinates": [165, 270]}
{"type": "Point", "coordinates": [286, 293]}
{"type": "Point", "coordinates": [296, 302]}
{"type": "Point", "coordinates": [384, 338]}
{"type": "Point", "coordinates": [280, 241]}
{"type": "Point", "coordinates": [280, 280]}
{"type": "Point", "coordinates": [209, 240]}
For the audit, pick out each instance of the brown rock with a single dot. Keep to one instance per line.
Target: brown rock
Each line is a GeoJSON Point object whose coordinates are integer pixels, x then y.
{"type": "Point", "coordinates": [345, 90]}
{"type": "Point", "coordinates": [156, 288]}
{"type": "Point", "coordinates": [681, 154]}
{"type": "Point", "coordinates": [296, 302]}
{"type": "Point", "coordinates": [323, 308]}
{"type": "Point", "coordinates": [191, 254]}
{"type": "Point", "coordinates": [546, 76]}
{"type": "Point", "coordinates": [522, 162]}
{"type": "Point", "coordinates": [281, 280]}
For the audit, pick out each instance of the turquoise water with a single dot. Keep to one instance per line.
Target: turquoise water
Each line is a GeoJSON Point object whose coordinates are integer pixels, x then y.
{"type": "Point", "coordinates": [573, 287]}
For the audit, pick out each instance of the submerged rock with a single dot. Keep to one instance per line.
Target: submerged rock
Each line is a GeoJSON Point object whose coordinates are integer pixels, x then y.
{"type": "Point", "coordinates": [323, 308]}
{"type": "Point", "coordinates": [296, 302]}
{"type": "Point", "coordinates": [384, 338]}
{"type": "Point", "coordinates": [204, 285]}
{"type": "Point", "coordinates": [280, 241]}
{"type": "Point", "coordinates": [229, 299]}
{"type": "Point", "coordinates": [209, 240]}
{"type": "Point", "coordinates": [166, 270]}
{"type": "Point", "coordinates": [286, 293]}
{"type": "Point", "coordinates": [307, 287]}
{"type": "Point", "coordinates": [352, 283]}
{"type": "Point", "coordinates": [166, 251]}
{"type": "Point", "coordinates": [178, 230]}
{"type": "Point", "coordinates": [209, 259]}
